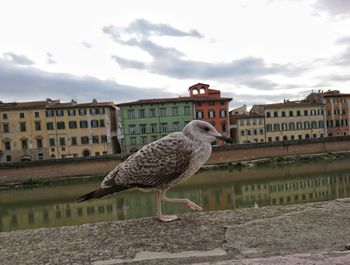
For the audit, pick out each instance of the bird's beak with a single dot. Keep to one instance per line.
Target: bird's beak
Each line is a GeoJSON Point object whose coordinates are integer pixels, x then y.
{"type": "Point", "coordinates": [223, 138]}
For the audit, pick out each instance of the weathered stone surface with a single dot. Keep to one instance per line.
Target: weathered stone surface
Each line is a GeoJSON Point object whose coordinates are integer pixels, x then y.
{"type": "Point", "coordinates": [319, 230]}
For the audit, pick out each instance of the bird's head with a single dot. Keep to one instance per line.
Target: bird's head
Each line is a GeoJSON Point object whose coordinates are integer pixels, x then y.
{"type": "Point", "coordinates": [204, 131]}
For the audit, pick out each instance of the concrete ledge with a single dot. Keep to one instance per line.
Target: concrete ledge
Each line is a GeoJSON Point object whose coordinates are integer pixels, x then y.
{"type": "Point", "coordinates": [269, 235]}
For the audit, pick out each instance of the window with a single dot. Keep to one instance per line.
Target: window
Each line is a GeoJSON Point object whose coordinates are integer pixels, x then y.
{"type": "Point", "coordinates": [84, 140]}
{"type": "Point", "coordinates": [223, 113]}
{"type": "Point", "coordinates": [131, 114]}
{"type": "Point", "coordinates": [152, 113]}
{"type": "Point", "coordinates": [52, 142]}
{"type": "Point", "coordinates": [39, 143]}
{"type": "Point", "coordinates": [22, 126]}
{"type": "Point", "coordinates": [284, 126]}
{"type": "Point", "coordinates": [248, 121]}
{"type": "Point", "coordinates": [306, 125]}
{"type": "Point", "coordinates": [83, 124]}
{"type": "Point", "coordinates": [276, 127]}
{"type": "Point", "coordinates": [143, 139]}
{"type": "Point", "coordinates": [94, 123]}
{"type": "Point", "coordinates": [283, 114]}
{"type": "Point", "coordinates": [306, 113]}
{"type": "Point", "coordinates": [268, 114]}
{"type": "Point", "coordinates": [74, 140]}
{"type": "Point", "coordinates": [291, 113]}
{"type": "Point", "coordinates": [71, 112]}
{"type": "Point", "coordinates": [82, 112]}
{"type": "Point", "coordinates": [95, 139]}
{"type": "Point", "coordinates": [162, 112]}
{"type": "Point", "coordinates": [299, 125]}
{"type": "Point", "coordinates": [254, 121]}
{"type": "Point", "coordinates": [72, 124]}
{"type": "Point", "coordinates": [6, 128]}
{"type": "Point", "coordinates": [163, 127]}
{"type": "Point", "coordinates": [241, 122]}
{"type": "Point", "coordinates": [24, 144]}
{"type": "Point", "coordinates": [298, 113]}
{"type": "Point", "coordinates": [37, 125]}
{"type": "Point", "coordinates": [8, 158]}
{"type": "Point", "coordinates": [242, 132]}
{"type": "Point", "coordinates": [199, 115]}
{"type": "Point", "coordinates": [313, 124]}
{"type": "Point", "coordinates": [269, 139]}
{"type": "Point", "coordinates": [133, 140]}
{"type": "Point", "coordinates": [59, 112]}
{"type": "Point", "coordinates": [142, 128]}
{"type": "Point", "coordinates": [102, 123]}
{"type": "Point", "coordinates": [187, 110]}
{"type": "Point", "coordinates": [50, 113]}
{"type": "Point", "coordinates": [269, 127]}
{"type": "Point", "coordinates": [261, 131]}
{"type": "Point", "coordinates": [36, 114]}
{"type": "Point", "coordinates": [7, 145]}
{"type": "Point", "coordinates": [154, 138]}
{"type": "Point", "coordinates": [211, 103]}
{"type": "Point", "coordinates": [60, 125]}
{"type": "Point", "coordinates": [176, 126]}
{"type": "Point", "coordinates": [223, 127]}
{"type": "Point", "coordinates": [132, 129]}
{"type": "Point", "coordinates": [211, 114]}
{"type": "Point", "coordinates": [21, 115]}
{"type": "Point", "coordinates": [175, 111]}
{"type": "Point", "coordinates": [291, 126]}
{"type": "Point", "coordinates": [62, 141]}
{"type": "Point", "coordinates": [321, 124]}
{"type": "Point", "coordinates": [275, 114]}
{"type": "Point", "coordinates": [103, 138]}
{"type": "Point", "coordinates": [4, 116]}
{"type": "Point", "coordinates": [153, 128]}
{"type": "Point", "coordinates": [142, 113]}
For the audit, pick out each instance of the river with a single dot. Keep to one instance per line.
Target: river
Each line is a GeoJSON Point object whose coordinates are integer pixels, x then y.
{"type": "Point", "coordinates": [215, 189]}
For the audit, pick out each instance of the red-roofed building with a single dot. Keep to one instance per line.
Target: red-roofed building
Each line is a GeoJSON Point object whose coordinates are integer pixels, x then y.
{"type": "Point", "coordinates": [211, 107]}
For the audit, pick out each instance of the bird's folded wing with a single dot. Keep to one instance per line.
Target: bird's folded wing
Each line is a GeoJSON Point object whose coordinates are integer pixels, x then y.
{"type": "Point", "coordinates": [155, 164]}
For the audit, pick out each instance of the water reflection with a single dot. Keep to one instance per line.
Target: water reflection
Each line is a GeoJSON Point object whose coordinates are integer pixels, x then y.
{"type": "Point", "coordinates": [216, 189]}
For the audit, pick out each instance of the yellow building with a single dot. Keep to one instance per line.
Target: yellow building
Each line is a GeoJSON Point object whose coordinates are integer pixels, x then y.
{"type": "Point", "coordinates": [292, 120]}
{"type": "Point", "coordinates": [250, 128]}
{"type": "Point", "coordinates": [50, 129]}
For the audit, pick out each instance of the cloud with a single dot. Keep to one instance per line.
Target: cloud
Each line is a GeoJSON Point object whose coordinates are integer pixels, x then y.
{"type": "Point", "coordinates": [338, 8]}
{"type": "Point", "coordinates": [29, 83]}
{"type": "Point", "coordinates": [50, 59]}
{"type": "Point", "coordinates": [171, 62]}
{"type": "Point", "coordinates": [17, 58]}
{"type": "Point", "coordinates": [343, 59]}
{"type": "Point", "coordinates": [144, 29]}
{"type": "Point", "coordinates": [125, 63]}
{"type": "Point", "coordinates": [86, 44]}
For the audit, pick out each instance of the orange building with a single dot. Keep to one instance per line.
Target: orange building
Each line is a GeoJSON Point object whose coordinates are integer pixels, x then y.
{"type": "Point", "coordinates": [337, 107]}
{"type": "Point", "coordinates": [211, 107]}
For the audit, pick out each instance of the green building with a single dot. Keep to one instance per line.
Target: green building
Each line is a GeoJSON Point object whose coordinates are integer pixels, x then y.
{"type": "Point", "coordinates": [145, 121]}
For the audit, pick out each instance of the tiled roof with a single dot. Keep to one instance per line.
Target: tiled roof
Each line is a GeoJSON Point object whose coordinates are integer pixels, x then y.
{"type": "Point", "coordinates": [50, 104]}
{"type": "Point", "coordinates": [171, 100]}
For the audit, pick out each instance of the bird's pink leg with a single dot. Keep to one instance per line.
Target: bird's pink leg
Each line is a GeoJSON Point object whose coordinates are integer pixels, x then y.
{"type": "Point", "coordinates": [187, 202]}
{"type": "Point", "coordinates": [161, 217]}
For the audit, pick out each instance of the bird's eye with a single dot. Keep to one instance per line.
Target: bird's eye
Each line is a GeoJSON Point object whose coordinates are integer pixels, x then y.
{"type": "Point", "coordinates": [206, 129]}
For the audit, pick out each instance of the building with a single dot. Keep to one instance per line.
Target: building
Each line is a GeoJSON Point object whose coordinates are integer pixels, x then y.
{"type": "Point", "coordinates": [145, 121]}
{"type": "Point", "coordinates": [337, 107]}
{"type": "Point", "coordinates": [50, 129]}
{"type": "Point", "coordinates": [211, 107]}
{"type": "Point", "coordinates": [247, 128]}
{"type": "Point", "coordinates": [148, 120]}
{"type": "Point", "coordinates": [292, 120]}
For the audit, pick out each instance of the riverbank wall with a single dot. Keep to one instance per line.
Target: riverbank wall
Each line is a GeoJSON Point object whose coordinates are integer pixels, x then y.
{"type": "Point", "coordinates": [226, 155]}
{"type": "Point", "coordinates": [313, 233]}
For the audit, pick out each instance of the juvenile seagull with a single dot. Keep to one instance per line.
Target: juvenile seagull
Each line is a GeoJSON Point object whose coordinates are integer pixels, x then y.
{"type": "Point", "coordinates": [161, 164]}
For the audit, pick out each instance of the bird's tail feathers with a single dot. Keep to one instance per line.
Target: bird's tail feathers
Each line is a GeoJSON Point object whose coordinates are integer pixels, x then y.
{"type": "Point", "coordinates": [99, 193]}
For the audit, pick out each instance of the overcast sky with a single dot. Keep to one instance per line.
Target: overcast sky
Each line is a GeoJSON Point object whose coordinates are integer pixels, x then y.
{"type": "Point", "coordinates": [256, 51]}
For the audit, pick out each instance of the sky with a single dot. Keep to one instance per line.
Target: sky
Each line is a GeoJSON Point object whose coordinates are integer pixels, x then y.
{"type": "Point", "coordinates": [254, 51]}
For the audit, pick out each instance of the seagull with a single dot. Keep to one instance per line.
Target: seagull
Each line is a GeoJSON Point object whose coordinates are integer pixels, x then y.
{"type": "Point", "coordinates": [161, 164]}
